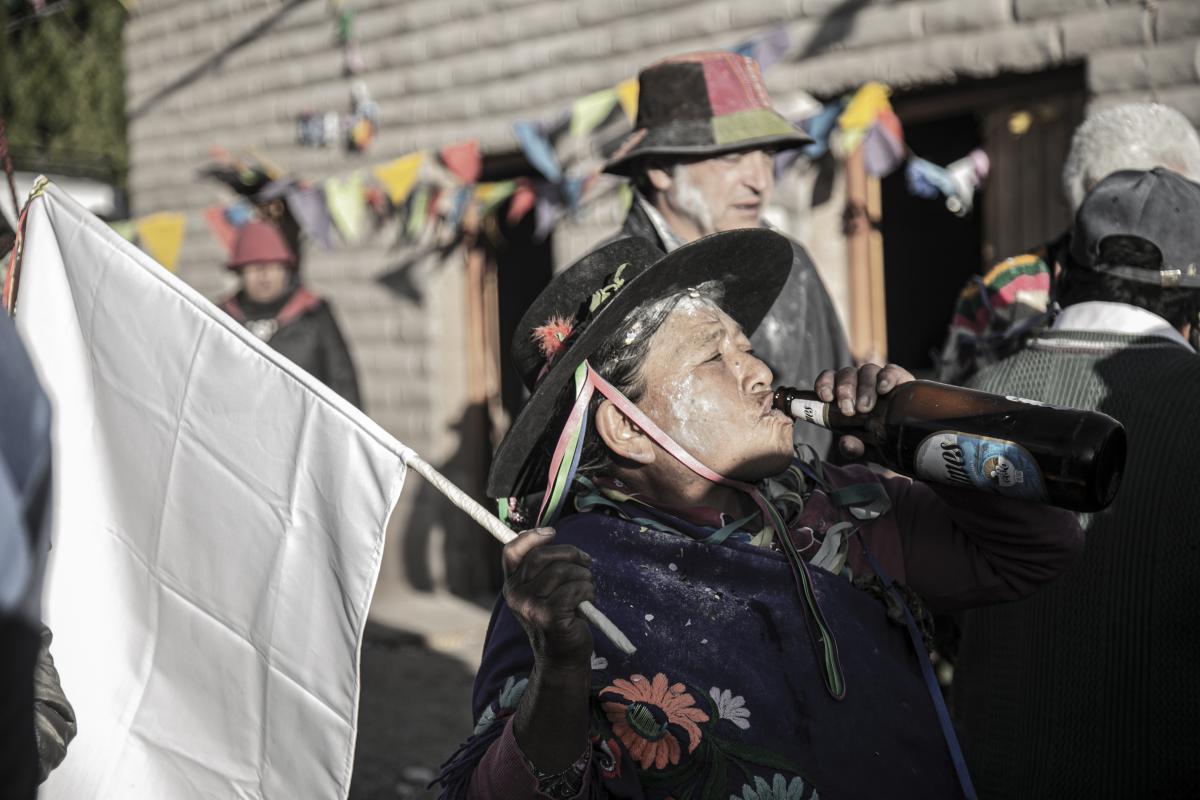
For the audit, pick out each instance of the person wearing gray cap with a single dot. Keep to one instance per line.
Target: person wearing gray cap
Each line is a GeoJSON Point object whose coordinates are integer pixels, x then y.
{"type": "Point", "coordinates": [995, 312]}
{"type": "Point", "coordinates": [1088, 689]}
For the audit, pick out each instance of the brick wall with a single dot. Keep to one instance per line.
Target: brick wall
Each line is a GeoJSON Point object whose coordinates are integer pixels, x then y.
{"type": "Point", "coordinates": [235, 73]}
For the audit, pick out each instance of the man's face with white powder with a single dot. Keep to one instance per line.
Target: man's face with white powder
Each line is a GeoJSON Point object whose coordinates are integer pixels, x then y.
{"type": "Point", "coordinates": [722, 193]}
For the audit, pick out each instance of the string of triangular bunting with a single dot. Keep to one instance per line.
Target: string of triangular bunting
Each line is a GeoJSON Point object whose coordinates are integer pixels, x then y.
{"type": "Point", "coordinates": [435, 195]}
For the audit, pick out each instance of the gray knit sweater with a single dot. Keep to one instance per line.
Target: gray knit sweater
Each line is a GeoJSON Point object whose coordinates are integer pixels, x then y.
{"type": "Point", "coordinates": [1091, 687]}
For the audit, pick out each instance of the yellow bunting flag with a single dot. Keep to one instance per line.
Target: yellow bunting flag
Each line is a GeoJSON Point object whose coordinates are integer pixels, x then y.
{"type": "Point", "coordinates": [161, 236]}
{"type": "Point", "coordinates": [490, 194]}
{"type": "Point", "coordinates": [399, 176]}
{"type": "Point", "coordinates": [588, 112]}
{"type": "Point", "coordinates": [347, 206]}
{"type": "Point", "coordinates": [867, 104]}
{"type": "Point", "coordinates": [627, 93]}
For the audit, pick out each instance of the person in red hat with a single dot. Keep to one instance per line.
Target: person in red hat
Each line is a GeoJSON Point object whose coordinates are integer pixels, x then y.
{"type": "Point", "coordinates": [701, 160]}
{"type": "Point", "coordinates": [276, 307]}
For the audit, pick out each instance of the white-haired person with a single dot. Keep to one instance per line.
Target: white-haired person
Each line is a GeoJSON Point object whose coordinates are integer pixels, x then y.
{"type": "Point", "coordinates": [995, 312]}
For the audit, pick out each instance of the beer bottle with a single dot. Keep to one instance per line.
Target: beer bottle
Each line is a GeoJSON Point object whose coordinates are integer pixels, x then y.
{"type": "Point", "coordinates": [962, 437]}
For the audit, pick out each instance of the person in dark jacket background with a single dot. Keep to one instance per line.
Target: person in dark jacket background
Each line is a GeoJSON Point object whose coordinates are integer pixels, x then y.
{"type": "Point", "coordinates": [276, 307]}
{"type": "Point", "coordinates": [701, 161]}
{"type": "Point", "coordinates": [1088, 689]}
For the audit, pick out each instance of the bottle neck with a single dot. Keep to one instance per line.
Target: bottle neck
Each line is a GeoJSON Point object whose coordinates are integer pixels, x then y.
{"type": "Point", "coordinates": [805, 406]}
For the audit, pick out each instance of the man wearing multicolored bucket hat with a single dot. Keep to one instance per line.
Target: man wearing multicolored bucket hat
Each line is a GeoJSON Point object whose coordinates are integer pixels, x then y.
{"type": "Point", "coordinates": [775, 654]}
{"type": "Point", "coordinates": [701, 160]}
{"type": "Point", "coordinates": [276, 307]}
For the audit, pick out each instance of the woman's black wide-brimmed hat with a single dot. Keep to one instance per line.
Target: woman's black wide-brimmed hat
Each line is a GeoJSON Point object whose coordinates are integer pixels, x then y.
{"type": "Point", "coordinates": [702, 105]}
{"type": "Point", "coordinates": [585, 304]}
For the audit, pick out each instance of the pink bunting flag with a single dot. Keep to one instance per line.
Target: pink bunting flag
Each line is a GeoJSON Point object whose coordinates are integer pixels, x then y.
{"type": "Point", "coordinates": [523, 201]}
{"type": "Point", "coordinates": [883, 146]}
{"type": "Point", "coordinates": [463, 160]}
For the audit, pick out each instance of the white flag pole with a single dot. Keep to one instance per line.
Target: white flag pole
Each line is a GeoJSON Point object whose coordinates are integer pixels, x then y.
{"type": "Point", "coordinates": [502, 532]}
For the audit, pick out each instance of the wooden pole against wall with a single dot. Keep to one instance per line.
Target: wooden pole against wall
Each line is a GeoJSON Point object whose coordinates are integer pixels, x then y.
{"type": "Point", "coordinates": [864, 248]}
{"type": "Point", "coordinates": [878, 288]}
{"type": "Point", "coordinates": [858, 252]}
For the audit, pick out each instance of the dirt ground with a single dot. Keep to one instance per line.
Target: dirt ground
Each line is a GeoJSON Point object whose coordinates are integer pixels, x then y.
{"type": "Point", "coordinates": [414, 711]}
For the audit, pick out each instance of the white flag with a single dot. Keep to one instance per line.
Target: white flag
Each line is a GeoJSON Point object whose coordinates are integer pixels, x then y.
{"type": "Point", "coordinates": [218, 525]}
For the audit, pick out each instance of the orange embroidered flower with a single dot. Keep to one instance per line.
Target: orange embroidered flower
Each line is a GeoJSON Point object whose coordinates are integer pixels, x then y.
{"type": "Point", "coordinates": [642, 713]}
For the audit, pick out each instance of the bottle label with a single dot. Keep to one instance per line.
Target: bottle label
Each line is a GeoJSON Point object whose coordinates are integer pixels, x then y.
{"type": "Point", "coordinates": [813, 411]}
{"type": "Point", "coordinates": [980, 462]}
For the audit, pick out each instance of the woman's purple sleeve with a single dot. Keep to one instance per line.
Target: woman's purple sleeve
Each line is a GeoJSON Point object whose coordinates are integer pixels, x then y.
{"type": "Point", "coordinates": [965, 548]}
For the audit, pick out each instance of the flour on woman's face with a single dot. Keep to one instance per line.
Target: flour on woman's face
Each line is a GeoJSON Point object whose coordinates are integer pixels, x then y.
{"type": "Point", "coordinates": [706, 389]}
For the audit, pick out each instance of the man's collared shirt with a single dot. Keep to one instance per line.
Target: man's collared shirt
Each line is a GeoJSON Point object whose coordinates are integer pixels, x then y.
{"type": "Point", "coordinates": [1097, 315]}
{"type": "Point", "coordinates": [668, 237]}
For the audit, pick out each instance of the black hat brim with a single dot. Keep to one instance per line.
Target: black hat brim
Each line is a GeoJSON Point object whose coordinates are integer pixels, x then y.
{"type": "Point", "coordinates": [752, 264]}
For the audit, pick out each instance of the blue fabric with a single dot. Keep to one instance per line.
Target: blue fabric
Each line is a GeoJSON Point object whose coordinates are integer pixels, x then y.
{"type": "Point", "coordinates": [931, 684]}
{"type": "Point", "coordinates": [24, 479]}
{"type": "Point", "coordinates": [538, 150]}
{"type": "Point", "coordinates": [724, 621]}
{"type": "Point", "coordinates": [820, 127]}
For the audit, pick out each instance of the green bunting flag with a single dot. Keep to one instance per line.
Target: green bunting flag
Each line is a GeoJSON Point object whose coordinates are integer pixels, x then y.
{"type": "Point", "coordinates": [588, 112]}
{"type": "Point", "coordinates": [346, 205]}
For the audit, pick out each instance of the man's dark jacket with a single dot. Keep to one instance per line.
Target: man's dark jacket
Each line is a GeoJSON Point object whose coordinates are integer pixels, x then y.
{"type": "Point", "coordinates": [801, 334]}
{"type": "Point", "coordinates": [1088, 687]}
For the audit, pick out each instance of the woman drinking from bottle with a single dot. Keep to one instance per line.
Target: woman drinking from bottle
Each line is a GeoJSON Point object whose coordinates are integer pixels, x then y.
{"type": "Point", "coordinates": [779, 608]}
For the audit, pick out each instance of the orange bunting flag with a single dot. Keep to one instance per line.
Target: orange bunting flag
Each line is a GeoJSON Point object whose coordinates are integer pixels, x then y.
{"type": "Point", "coordinates": [399, 176]}
{"type": "Point", "coordinates": [222, 230]}
{"type": "Point", "coordinates": [463, 160]}
{"type": "Point", "coordinates": [627, 93]}
{"type": "Point", "coordinates": [161, 235]}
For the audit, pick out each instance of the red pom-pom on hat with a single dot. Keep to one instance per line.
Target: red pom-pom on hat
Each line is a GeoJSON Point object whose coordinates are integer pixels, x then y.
{"type": "Point", "coordinates": [551, 337]}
